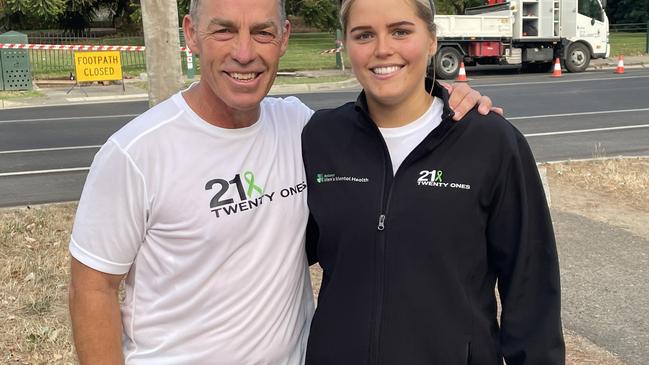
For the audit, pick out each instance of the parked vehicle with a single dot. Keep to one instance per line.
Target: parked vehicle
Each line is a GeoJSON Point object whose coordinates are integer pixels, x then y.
{"type": "Point", "coordinates": [529, 33]}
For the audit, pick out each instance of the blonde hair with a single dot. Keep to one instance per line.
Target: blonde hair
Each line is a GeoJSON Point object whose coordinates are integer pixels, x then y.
{"type": "Point", "coordinates": [423, 8]}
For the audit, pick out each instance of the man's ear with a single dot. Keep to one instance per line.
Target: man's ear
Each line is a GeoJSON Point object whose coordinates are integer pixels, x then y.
{"type": "Point", "coordinates": [191, 35]}
{"type": "Point", "coordinates": [286, 32]}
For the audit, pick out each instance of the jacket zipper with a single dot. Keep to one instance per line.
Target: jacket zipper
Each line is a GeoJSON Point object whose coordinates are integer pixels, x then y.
{"type": "Point", "coordinates": [380, 262]}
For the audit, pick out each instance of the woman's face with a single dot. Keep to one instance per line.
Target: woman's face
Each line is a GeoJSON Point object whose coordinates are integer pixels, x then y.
{"type": "Point", "coordinates": [389, 47]}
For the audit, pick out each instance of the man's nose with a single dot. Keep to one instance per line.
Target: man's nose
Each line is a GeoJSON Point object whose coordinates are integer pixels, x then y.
{"type": "Point", "coordinates": [244, 50]}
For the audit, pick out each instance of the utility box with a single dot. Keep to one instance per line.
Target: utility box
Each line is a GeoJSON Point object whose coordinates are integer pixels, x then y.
{"type": "Point", "coordinates": [14, 63]}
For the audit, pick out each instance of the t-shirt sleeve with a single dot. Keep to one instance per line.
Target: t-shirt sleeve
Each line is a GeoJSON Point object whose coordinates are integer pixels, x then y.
{"type": "Point", "coordinates": [110, 223]}
{"type": "Point", "coordinates": [301, 111]}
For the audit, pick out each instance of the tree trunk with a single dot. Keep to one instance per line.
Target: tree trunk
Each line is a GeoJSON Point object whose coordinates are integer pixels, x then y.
{"type": "Point", "coordinates": [161, 38]}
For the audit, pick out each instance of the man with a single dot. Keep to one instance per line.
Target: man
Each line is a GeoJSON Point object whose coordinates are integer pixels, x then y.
{"type": "Point", "coordinates": [200, 205]}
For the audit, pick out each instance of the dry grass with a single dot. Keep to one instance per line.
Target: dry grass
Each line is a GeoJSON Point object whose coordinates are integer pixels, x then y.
{"type": "Point", "coordinates": [33, 291]}
{"type": "Point", "coordinates": [624, 179]}
{"type": "Point", "coordinates": [34, 324]}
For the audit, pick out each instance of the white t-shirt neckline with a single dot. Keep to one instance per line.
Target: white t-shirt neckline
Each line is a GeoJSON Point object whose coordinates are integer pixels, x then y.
{"type": "Point", "coordinates": [401, 141]}
{"type": "Point", "coordinates": [214, 130]}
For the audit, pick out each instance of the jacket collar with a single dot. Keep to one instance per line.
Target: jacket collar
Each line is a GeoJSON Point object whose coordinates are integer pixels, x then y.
{"type": "Point", "coordinates": [438, 91]}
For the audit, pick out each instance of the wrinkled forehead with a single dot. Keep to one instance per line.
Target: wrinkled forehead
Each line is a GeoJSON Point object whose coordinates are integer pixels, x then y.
{"type": "Point", "coordinates": [240, 12]}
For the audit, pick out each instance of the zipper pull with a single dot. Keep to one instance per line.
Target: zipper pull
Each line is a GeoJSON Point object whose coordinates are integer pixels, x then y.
{"type": "Point", "coordinates": [381, 222]}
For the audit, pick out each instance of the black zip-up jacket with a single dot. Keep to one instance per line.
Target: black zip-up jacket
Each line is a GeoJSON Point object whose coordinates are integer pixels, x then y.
{"type": "Point", "coordinates": [411, 261]}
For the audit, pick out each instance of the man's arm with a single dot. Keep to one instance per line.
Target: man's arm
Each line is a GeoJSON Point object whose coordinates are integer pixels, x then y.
{"type": "Point", "coordinates": [96, 319]}
{"type": "Point", "coordinates": [463, 98]}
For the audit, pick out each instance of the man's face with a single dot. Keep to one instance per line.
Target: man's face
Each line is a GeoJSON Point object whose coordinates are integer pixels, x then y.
{"type": "Point", "coordinates": [239, 43]}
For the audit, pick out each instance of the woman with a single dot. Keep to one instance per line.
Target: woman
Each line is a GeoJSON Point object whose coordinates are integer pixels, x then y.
{"type": "Point", "coordinates": [415, 218]}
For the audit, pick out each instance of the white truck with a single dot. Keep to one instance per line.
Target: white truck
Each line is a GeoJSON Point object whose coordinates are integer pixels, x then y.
{"type": "Point", "coordinates": [529, 33]}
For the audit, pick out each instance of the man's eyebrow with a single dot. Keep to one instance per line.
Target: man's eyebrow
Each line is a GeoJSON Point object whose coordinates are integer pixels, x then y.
{"type": "Point", "coordinates": [230, 24]}
{"type": "Point", "coordinates": [264, 25]}
{"type": "Point", "coordinates": [222, 22]}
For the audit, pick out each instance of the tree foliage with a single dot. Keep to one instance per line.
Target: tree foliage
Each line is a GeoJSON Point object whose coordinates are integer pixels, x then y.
{"type": "Point", "coordinates": [627, 11]}
{"type": "Point", "coordinates": [66, 14]}
{"type": "Point", "coordinates": [452, 7]}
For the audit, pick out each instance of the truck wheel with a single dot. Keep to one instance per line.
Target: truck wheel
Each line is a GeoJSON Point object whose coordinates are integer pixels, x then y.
{"type": "Point", "coordinates": [448, 63]}
{"type": "Point", "coordinates": [578, 57]}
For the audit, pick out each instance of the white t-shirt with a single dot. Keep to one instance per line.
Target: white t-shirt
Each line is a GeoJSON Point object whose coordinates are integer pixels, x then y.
{"type": "Point", "coordinates": [403, 140]}
{"type": "Point", "coordinates": [209, 223]}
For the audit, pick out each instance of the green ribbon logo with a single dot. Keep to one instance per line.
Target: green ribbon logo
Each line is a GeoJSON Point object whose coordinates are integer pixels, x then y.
{"type": "Point", "coordinates": [438, 178]}
{"type": "Point", "coordinates": [250, 179]}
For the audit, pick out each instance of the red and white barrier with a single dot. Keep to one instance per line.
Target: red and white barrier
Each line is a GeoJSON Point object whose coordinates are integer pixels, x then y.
{"type": "Point", "coordinates": [76, 47]}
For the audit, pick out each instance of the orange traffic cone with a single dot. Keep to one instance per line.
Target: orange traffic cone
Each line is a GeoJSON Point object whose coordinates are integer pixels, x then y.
{"type": "Point", "coordinates": [620, 65]}
{"type": "Point", "coordinates": [557, 68]}
{"type": "Point", "coordinates": [461, 76]}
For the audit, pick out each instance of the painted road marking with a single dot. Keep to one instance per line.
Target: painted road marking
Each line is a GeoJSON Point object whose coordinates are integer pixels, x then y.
{"type": "Point", "coordinates": [477, 86]}
{"type": "Point", "coordinates": [68, 118]}
{"type": "Point", "coordinates": [577, 131]}
{"type": "Point", "coordinates": [580, 113]}
{"type": "Point", "coordinates": [50, 149]}
{"type": "Point", "coordinates": [40, 172]}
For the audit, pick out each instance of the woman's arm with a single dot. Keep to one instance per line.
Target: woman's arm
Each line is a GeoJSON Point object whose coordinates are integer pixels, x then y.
{"type": "Point", "coordinates": [523, 252]}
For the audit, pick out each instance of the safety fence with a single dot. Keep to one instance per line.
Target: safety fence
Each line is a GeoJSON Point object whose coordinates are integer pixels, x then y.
{"type": "Point", "coordinates": [629, 28]}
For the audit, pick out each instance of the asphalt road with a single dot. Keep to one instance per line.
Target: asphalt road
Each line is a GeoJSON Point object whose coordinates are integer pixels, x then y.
{"type": "Point", "coordinates": [45, 151]}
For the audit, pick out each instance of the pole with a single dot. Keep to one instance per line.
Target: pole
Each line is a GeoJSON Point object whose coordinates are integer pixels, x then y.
{"type": "Point", "coordinates": [162, 41]}
{"type": "Point", "coordinates": [190, 64]}
{"type": "Point", "coordinates": [339, 57]}
{"type": "Point", "coordinates": [647, 37]}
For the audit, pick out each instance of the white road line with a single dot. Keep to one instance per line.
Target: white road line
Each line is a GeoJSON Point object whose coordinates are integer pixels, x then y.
{"type": "Point", "coordinates": [68, 118]}
{"type": "Point", "coordinates": [40, 172]}
{"type": "Point", "coordinates": [557, 81]}
{"type": "Point", "coordinates": [577, 131]}
{"type": "Point", "coordinates": [50, 149]}
{"type": "Point", "coordinates": [576, 114]}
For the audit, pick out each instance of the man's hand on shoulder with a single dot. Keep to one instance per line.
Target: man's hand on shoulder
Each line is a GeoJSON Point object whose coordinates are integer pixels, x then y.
{"type": "Point", "coordinates": [463, 98]}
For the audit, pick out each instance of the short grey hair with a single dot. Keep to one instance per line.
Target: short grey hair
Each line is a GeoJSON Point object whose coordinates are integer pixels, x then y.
{"type": "Point", "coordinates": [423, 8]}
{"type": "Point", "coordinates": [194, 10]}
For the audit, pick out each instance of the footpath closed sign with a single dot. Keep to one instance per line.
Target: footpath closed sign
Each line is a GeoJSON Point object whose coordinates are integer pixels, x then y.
{"type": "Point", "coordinates": [98, 66]}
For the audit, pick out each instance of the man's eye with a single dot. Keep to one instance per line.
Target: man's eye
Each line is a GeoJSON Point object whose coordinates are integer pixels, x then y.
{"type": "Point", "coordinates": [222, 31]}
{"type": "Point", "coordinates": [264, 36]}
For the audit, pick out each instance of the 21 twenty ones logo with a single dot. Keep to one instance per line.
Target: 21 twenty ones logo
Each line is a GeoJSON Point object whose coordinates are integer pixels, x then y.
{"type": "Point", "coordinates": [251, 196]}
{"type": "Point", "coordinates": [436, 179]}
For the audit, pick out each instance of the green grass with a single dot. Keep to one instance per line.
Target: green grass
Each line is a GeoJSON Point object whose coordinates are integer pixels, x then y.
{"type": "Point", "coordinates": [304, 52]}
{"type": "Point", "coordinates": [628, 44]}
{"type": "Point", "coordinates": [5, 95]}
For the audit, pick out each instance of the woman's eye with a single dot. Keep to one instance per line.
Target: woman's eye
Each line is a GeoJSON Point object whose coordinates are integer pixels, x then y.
{"type": "Point", "coordinates": [400, 33]}
{"type": "Point", "coordinates": [363, 36]}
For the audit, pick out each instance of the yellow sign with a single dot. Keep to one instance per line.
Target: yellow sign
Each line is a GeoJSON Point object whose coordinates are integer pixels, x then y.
{"type": "Point", "coordinates": [98, 66]}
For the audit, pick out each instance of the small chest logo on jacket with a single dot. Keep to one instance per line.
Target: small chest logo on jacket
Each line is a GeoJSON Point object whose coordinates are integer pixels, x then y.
{"type": "Point", "coordinates": [436, 179]}
{"type": "Point", "coordinates": [327, 178]}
